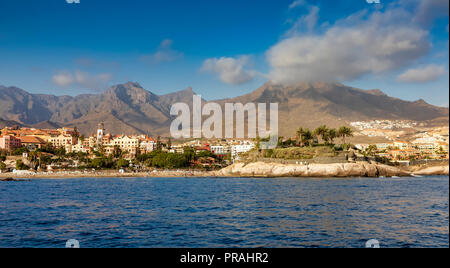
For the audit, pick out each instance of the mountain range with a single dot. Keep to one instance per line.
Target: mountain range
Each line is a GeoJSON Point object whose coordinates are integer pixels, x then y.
{"type": "Point", "coordinates": [129, 108]}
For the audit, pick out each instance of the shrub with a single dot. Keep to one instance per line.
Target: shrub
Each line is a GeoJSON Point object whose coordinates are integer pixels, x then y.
{"type": "Point", "coordinates": [170, 160]}
{"type": "Point", "coordinates": [101, 163]}
{"type": "Point", "coordinates": [21, 166]}
{"type": "Point", "coordinates": [20, 151]}
{"type": "Point", "coordinates": [122, 163]}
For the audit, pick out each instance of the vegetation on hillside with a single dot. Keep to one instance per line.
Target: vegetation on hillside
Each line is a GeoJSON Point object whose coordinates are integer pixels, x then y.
{"type": "Point", "coordinates": [309, 144]}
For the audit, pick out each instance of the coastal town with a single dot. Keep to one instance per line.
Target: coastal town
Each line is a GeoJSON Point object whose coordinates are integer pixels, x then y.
{"type": "Point", "coordinates": [19, 145]}
{"type": "Point", "coordinates": [46, 150]}
{"type": "Point", "coordinates": [405, 141]}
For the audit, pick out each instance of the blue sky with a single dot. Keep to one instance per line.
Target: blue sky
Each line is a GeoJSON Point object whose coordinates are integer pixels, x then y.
{"type": "Point", "coordinates": [225, 48]}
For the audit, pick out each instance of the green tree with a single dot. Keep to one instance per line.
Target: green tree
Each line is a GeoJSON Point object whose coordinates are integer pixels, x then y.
{"type": "Point", "coordinates": [308, 138]}
{"type": "Point", "coordinates": [170, 160]}
{"type": "Point", "coordinates": [189, 153]}
{"type": "Point", "coordinates": [332, 134]}
{"type": "Point", "coordinates": [117, 152]}
{"type": "Point", "coordinates": [299, 135]}
{"type": "Point", "coordinates": [45, 160]}
{"type": "Point", "coordinates": [20, 151]}
{"type": "Point", "coordinates": [345, 132]}
{"type": "Point", "coordinates": [122, 163]}
{"type": "Point", "coordinates": [322, 132]}
{"type": "Point", "coordinates": [60, 151]}
{"type": "Point", "coordinates": [2, 166]}
{"type": "Point", "coordinates": [158, 143]}
{"type": "Point", "coordinates": [21, 166]}
{"type": "Point", "coordinates": [47, 148]}
{"type": "Point", "coordinates": [205, 154]}
{"type": "Point", "coordinates": [371, 150]}
{"type": "Point", "coordinates": [98, 163]}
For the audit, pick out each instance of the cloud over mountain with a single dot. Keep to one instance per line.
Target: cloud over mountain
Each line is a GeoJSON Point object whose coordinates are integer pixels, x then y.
{"type": "Point", "coordinates": [358, 45]}
{"type": "Point", "coordinates": [234, 71]}
{"type": "Point", "coordinates": [82, 79]}
{"type": "Point", "coordinates": [422, 75]}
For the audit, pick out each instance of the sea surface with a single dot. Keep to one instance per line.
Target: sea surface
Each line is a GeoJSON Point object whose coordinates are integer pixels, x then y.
{"type": "Point", "coordinates": [232, 212]}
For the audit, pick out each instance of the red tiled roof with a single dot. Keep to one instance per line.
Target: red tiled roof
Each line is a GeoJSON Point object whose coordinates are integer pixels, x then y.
{"type": "Point", "coordinates": [31, 139]}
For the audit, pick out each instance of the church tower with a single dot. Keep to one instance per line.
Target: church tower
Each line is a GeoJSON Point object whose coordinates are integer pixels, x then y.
{"type": "Point", "coordinates": [100, 132]}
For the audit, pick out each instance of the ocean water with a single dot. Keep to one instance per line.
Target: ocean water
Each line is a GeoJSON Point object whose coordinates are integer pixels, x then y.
{"type": "Point", "coordinates": [235, 212]}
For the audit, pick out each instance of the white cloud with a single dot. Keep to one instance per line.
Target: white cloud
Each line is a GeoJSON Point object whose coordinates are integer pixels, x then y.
{"type": "Point", "coordinates": [422, 75]}
{"type": "Point", "coordinates": [359, 45]}
{"type": "Point", "coordinates": [63, 79]}
{"type": "Point", "coordinates": [164, 53]}
{"type": "Point", "coordinates": [297, 3]}
{"type": "Point", "coordinates": [306, 23]}
{"type": "Point", "coordinates": [82, 79]}
{"type": "Point", "coordinates": [232, 71]}
{"type": "Point", "coordinates": [429, 10]}
{"type": "Point", "coordinates": [166, 43]}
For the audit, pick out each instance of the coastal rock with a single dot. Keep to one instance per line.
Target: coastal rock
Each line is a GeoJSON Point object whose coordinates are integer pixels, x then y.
{"type": "Point", "coordinates": [388, 171]}
{"type": "Point", "coordinates": [439, 170]}
{"type": "Point", "coordinates": [8, 179]}
{"type": "Point", "coordinates": [260, 169]}
{"type": "Point", "coordinates": [11, 179]}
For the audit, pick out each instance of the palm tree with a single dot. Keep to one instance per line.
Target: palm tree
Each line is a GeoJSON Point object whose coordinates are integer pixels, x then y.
{"type": "Point", "coordinates": [308, 137]}
{"type": "Point", "coordinates": [322, 131]}
{"type": "Point", "coordinates": [345, 132]}
{"type": "Point", "coordinates": [332, 134]}
{"type": "Point", "coordinates": [299, 135]}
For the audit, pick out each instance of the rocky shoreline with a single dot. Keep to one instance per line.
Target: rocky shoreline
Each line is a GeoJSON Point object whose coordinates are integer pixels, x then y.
{"type": "Point", "coordinates": [362, 169]}
{"type": "Point", "coordinates": [256, 169]}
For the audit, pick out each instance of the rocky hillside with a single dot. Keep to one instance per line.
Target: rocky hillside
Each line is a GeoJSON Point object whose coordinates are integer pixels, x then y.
{"type": "Point", "coordinates": [313, 104]}
{"type": "Point", "coordinates": [129, 108]}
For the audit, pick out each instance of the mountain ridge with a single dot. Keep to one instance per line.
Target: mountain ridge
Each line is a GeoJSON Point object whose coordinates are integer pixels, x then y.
{"type": "Point", "coordinates": [129, 108]}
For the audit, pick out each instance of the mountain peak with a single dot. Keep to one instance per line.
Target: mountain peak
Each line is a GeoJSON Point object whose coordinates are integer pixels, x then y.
{"type": "Point", "coordinates": [185, 92]}
{"type": "Point", "coordinates": [127, 87]}
{"type": "Point", "coordinates": [376, 92]}
{"type": "Point", "coordinates": [301, 85]}
{"type": "Point", "coordinates": [129, 108]}
{"type": "Point", "coordinates": [421, 101]}
{"type": "Point", "coordinates": [132, 84]}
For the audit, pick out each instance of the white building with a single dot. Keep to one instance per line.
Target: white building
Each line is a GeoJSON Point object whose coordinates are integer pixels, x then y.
{"type": "Point", "coordinates": [79, 147]}
{"type": "Point", "coordinates": [402, 145]}
{"type": "Point", "coordinates": [220, 149]}
{"type": "Point", "coordinates": [147, 146]}
{"type": "Point", "coordinates": [384, 146]}
{"type": "Point", "coordinates": [61, 141]}
{"type": "Point", "coordinates": [241, 148]}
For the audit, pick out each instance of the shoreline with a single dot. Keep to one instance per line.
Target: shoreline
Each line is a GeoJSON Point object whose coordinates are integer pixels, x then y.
{"type": "Point", "coordinates": [68, 175]}
{"type": "Point", "coordinates": [255, 170]}
{"type": "Point", "coordinates": [337, 170]}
